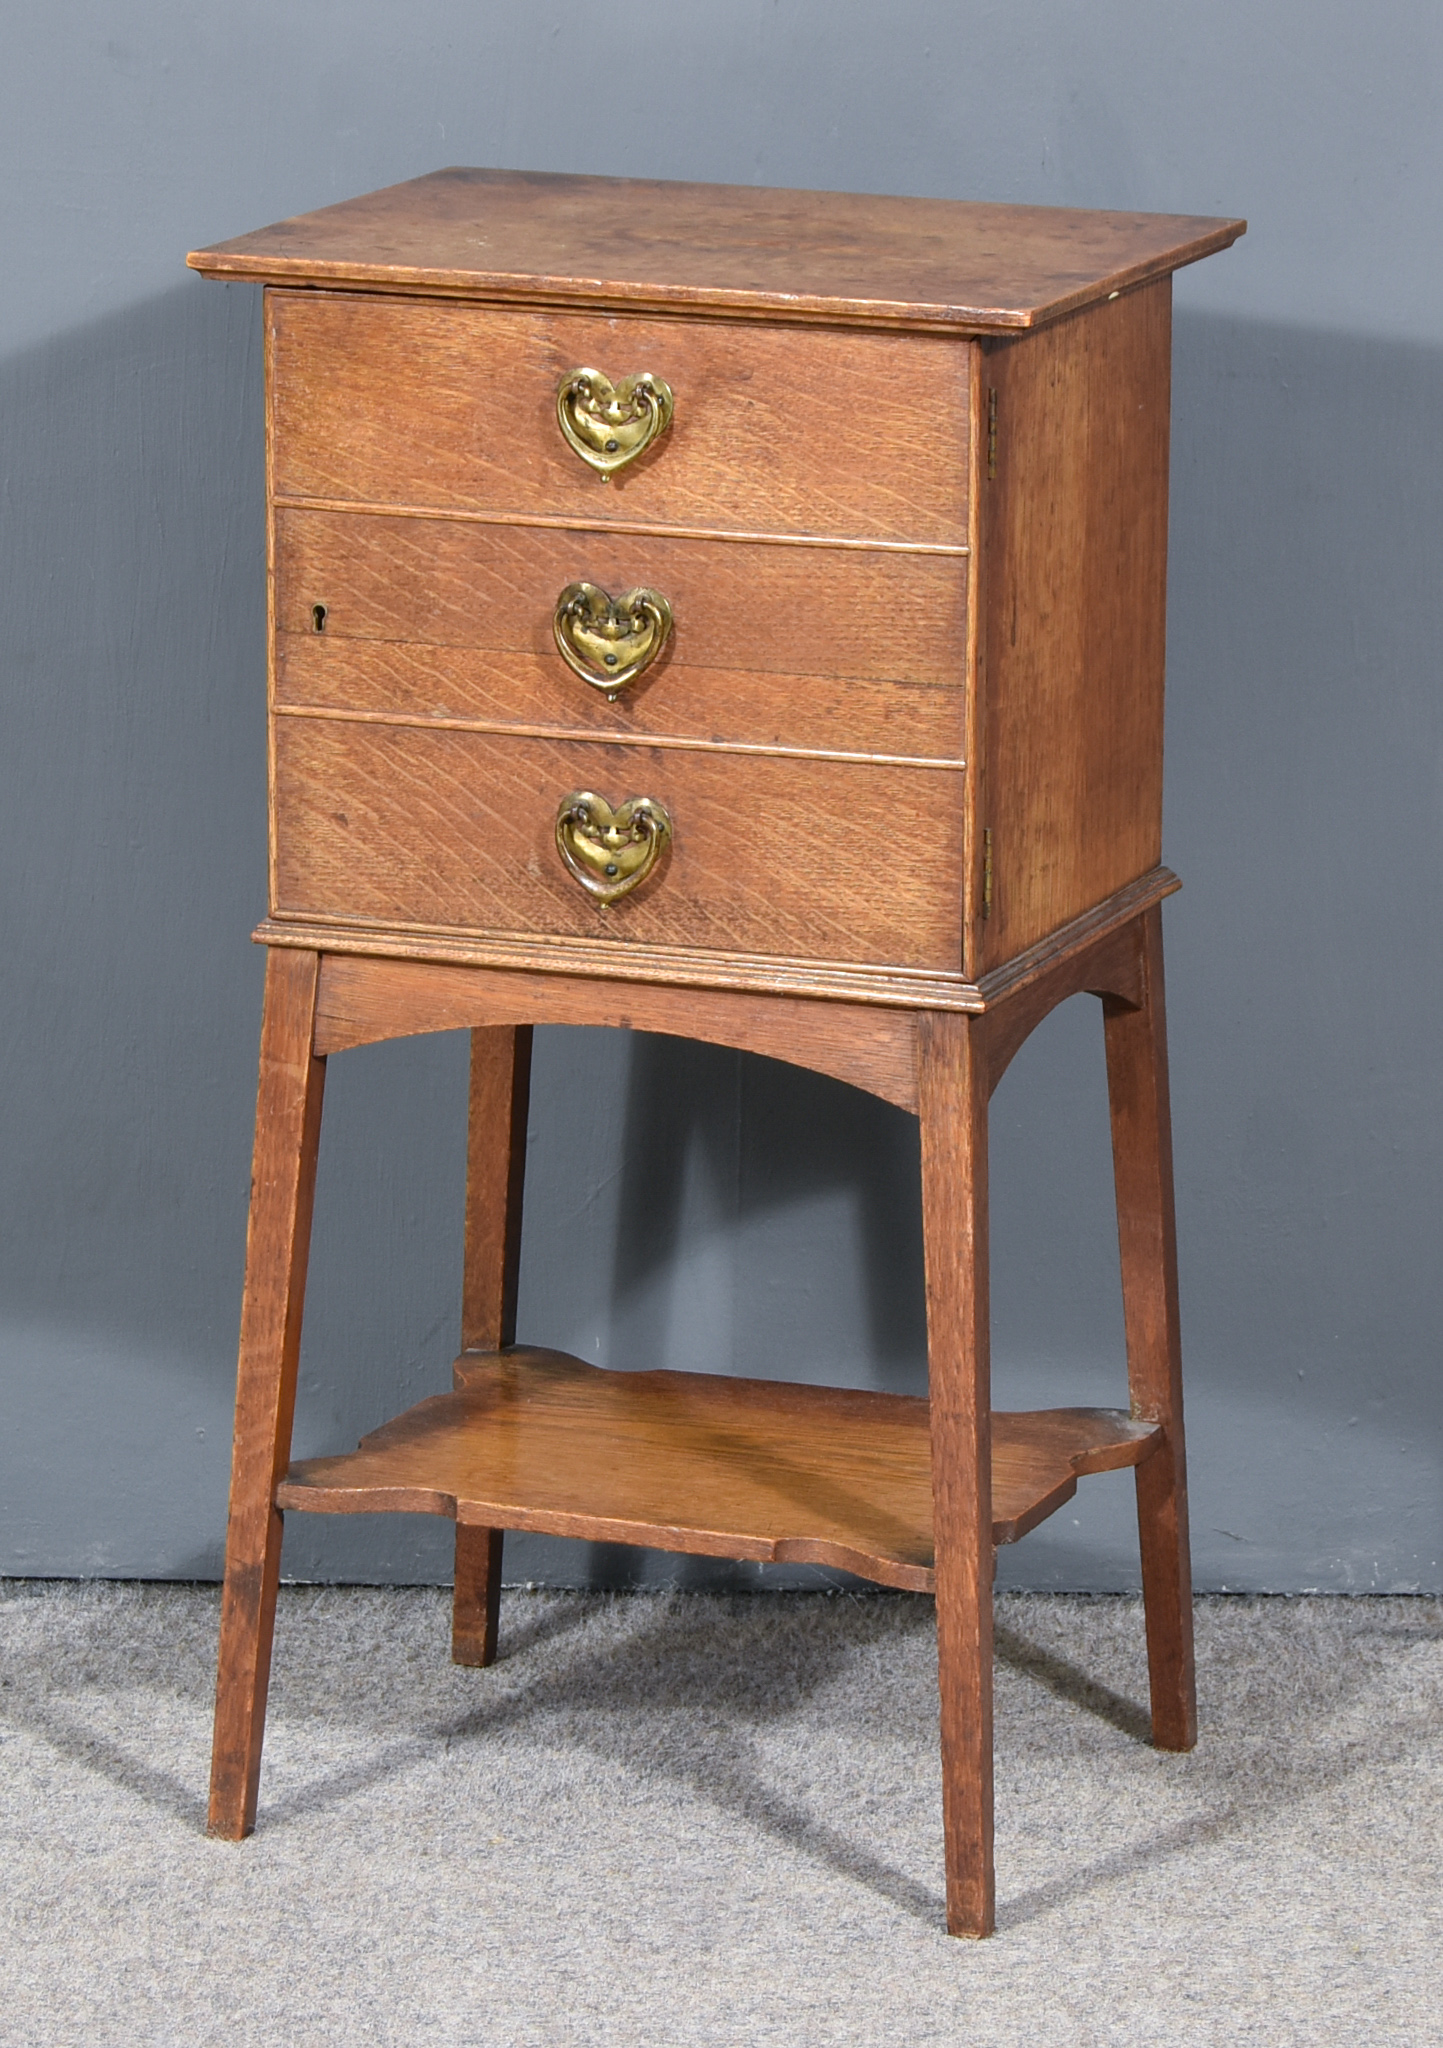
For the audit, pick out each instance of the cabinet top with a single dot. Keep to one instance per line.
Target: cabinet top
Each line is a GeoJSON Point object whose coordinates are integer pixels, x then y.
{"type": "Point", "coordinates": [743, 250]}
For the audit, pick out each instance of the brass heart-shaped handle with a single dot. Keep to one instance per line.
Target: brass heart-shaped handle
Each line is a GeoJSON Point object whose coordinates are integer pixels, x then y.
{"type": "Point", "coordinates": [610, 424]}
{"type": "Point", "coordinates": [610, 640]}
{"type": "Point", "coordinates": [610, 851]}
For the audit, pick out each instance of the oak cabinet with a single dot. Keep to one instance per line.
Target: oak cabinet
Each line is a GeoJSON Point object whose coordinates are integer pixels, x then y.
{"type": "Point", "coordinates": [738, 614]}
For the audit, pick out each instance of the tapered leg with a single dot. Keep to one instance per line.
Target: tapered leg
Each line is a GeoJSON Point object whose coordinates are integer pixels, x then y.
{"type": "Point", "coordinates": [952, 1101]}
{"type": "Point", "coordinates": [495, 1178]}
{"type": "Point", "coordinates": [1147, 1235]}
{"type": "Point", "coordinates": [288, 1127]}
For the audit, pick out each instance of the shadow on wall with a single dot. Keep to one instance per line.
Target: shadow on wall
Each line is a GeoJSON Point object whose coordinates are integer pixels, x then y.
{"type": "Point", "coordinates": [1304, 806]}
{"type": "Point", "coordinates": [780, 1147]}
{"type": "Point", "coordinates": [687, 1206]}
{"type": "Point", "coordinates": [132, 805]}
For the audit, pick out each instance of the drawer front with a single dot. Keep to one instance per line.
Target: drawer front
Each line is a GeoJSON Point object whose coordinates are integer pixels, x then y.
{"type": "Point", "coordinates": [843, 650]}
{"type": "Point", "coordinates": [803, 859]}
{"type": "Point", "coordinates": [776, 430]}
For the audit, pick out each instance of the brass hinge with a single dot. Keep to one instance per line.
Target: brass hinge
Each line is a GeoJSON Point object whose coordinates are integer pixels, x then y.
{"type": "Point", "coordinates": [987, 872]}
{"type": "Point", "coordinates": [991, 435]}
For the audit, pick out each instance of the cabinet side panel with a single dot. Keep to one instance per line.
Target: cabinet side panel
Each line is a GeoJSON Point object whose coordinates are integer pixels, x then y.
{"type": "Point", "coordinates": [1074, 574]}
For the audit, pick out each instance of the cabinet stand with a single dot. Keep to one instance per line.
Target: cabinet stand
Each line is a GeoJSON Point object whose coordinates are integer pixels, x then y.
{"type": "Point", "coordinates": [908, 1493]}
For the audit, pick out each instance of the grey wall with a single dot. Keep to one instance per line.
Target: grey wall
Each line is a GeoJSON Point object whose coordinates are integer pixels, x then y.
{"type": "Point", "coordinates": [781, 1232]}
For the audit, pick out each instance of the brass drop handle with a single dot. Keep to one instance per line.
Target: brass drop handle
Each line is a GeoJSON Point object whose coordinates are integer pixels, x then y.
{"type": "Point", "coordinates": [610, 424]}
{"type": "Point", "coordinates": [610, 851]}
{"type": "Point", "coordinates": [609, 641]}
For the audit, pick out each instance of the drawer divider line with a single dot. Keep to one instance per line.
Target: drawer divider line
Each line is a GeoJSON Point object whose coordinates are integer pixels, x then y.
{"type": "Point", "coordinates": [576, 523]}
{"type": "Point", "coordinates": [607, 739]}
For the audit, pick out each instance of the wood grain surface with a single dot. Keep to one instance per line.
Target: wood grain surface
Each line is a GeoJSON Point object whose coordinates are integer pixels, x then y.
{"type": "Point", "coordinates": [1110, 966]}
{"type": "Point", "coordinates": [364, 999]}
{"type": "Point", "coordinates": [952, 1097]}
{"type": "Point", "coordinates": [727, 249]}
{"type": "Point", "coordinates": [283, 1181]}
{"type": "Point", "coordinates": [809, 648]}
{"type": "Point", "coordinates": [498, 1104]}
{"type": "Point", "coordinates": [414, 402]}
{"type": "Point", "coordinates": [763, 975]}
{"type": "Point", "coordinates": [401, 826]}
{"type": "Point", "coordinates": [694, 1462]}
{"type": "Point", "coordinates": [498, 1100]}
{"type": "Point", "coordinates": [1073, 576]}
{"type": "Point", "coordinates": [679, 967]}
{"type": "Point", "coordinates": [972, 882]}
{"type": "Point", "coordinates": [1137, 1083]}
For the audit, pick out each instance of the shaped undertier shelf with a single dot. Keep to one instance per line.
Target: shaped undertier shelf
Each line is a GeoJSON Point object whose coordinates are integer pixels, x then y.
{"type": "Point", "coordinates": [694, 1462]}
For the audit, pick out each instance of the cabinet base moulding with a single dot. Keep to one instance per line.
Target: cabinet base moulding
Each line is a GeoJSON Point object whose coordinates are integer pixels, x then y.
{"type": "Point", "coordinates": [753, 973]}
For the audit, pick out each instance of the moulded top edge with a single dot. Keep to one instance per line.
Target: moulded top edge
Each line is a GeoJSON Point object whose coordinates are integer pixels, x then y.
{"type": "Point", "coordinates": [731, 250]}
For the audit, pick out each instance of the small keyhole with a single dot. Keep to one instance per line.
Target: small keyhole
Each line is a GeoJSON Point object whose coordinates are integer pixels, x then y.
{"type": "Point", "coordinates": [318, 617]}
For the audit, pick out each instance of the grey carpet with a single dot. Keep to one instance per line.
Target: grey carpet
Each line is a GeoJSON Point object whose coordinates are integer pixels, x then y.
{"type": "Point", "coordinates": [677, 1819]}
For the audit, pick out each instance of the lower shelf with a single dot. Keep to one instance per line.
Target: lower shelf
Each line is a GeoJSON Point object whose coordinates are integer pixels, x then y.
{"type": "Point", "coordinates": [695, 1462]}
